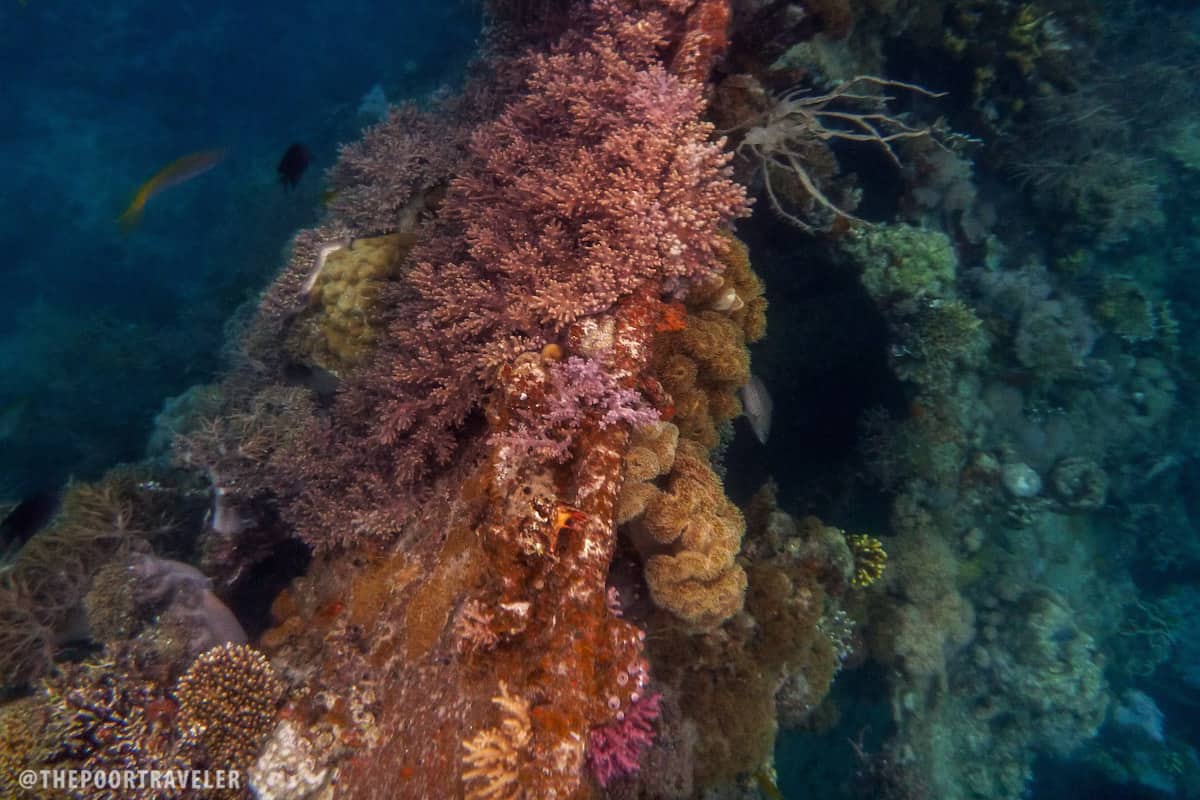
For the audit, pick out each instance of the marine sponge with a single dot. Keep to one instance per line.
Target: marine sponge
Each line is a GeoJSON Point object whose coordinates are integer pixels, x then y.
{"type": "Point", "coordinates": [228, 701]}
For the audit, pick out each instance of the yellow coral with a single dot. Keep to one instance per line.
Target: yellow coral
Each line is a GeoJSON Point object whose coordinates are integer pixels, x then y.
{"type": "Point", "coordinates": [870, 559]}
{"type": "Point", "coordinates": [495, 755]}
{"type": "Point", "coordinates": [690, 535]}
{"type": "Point", "coordinates": [340, 329]}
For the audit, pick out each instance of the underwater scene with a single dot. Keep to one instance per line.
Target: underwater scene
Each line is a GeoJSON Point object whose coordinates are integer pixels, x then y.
{"type": "Point", "coordinates": [580, 399]}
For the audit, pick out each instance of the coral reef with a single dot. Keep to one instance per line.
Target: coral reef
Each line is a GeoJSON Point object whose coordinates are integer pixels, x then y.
{"type": "Point", "coordinates": [689, 535]}
{"type": "Point", "coordinates": [477, 447]}
{"type": "Point", "coordinates": [228, 700]}
{"type": "Point", "coordinates": [338, 329]}
{"type": "Point", "coordinates": [43, 588]}
{"type": "Point", "coordinates": [218, 715]}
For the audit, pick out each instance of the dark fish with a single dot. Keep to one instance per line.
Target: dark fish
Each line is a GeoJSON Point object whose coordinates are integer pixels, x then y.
{"type": "Point", "coordinates": [321, 382]}
{"type": "Point", "coordinates": [291, 167]}
{"type": "Point", "coordinates": [27, 518]}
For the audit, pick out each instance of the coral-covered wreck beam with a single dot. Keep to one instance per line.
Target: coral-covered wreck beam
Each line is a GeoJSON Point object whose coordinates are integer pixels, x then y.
{"type": "Point", "coordinates": [579, 666]}
{"type": "Point", "coordinates": [592, 201]}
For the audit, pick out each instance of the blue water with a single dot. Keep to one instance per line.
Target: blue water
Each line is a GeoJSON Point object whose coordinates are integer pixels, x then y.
{"type": "Point", "coordinates": [98, 327]}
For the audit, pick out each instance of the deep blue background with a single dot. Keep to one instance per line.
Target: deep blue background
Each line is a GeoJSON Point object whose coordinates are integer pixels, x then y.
{"type": "Point", "coordinates": [97, 327]}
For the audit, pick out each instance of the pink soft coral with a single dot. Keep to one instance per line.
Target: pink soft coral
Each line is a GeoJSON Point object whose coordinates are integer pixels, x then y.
{"type": "Point", "coordinates": [614, 749]}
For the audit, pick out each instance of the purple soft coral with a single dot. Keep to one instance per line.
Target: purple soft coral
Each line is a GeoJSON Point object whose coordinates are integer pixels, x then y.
{"type": "Point", "coordinates": [615, 748]}
{"type": "Point", "coordinates": [576, 389]}
{"type": "Point", "coordinates": [582, 384]}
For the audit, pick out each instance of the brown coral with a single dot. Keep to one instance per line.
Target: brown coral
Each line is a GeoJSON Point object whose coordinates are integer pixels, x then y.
{"type": "Point", "coordinates": [689, 535]}
{"type": "Point", "coordinates": [29, 735]}
{"type": "Point", "coordinates": [228, 700]}
{"type": "Point", "coordinates": [47, 580]}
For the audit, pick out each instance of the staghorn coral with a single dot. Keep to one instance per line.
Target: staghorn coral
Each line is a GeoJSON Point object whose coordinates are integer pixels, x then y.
{"type": "Point", "coordinates": [228, 702]}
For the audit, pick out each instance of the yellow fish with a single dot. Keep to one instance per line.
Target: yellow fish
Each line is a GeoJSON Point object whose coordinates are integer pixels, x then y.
{"type": "Point", "coordinates": [173, 174]}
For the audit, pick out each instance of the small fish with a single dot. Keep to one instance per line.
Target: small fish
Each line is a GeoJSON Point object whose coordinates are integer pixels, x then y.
{"type": "Point", "coordinates": [757, 405]}
{"type": "Point", "coordinates": [291, 167]}
{"type": "Point", "coordinates": [173, 174]}
{"type": "Point", "coordinates": [27, 518]}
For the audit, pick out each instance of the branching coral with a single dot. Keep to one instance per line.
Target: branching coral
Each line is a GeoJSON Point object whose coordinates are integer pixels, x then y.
{"type": "Point", "coordinates": [589, 207]}
{"type": "Point", "coordinates": [217, 715]}
{"type": "Point", "coordinates": [379, 182]}
{"type": "Point", "coordinates": [495, 755]}
{"type": "Point", "coordinates": [598, 179]}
